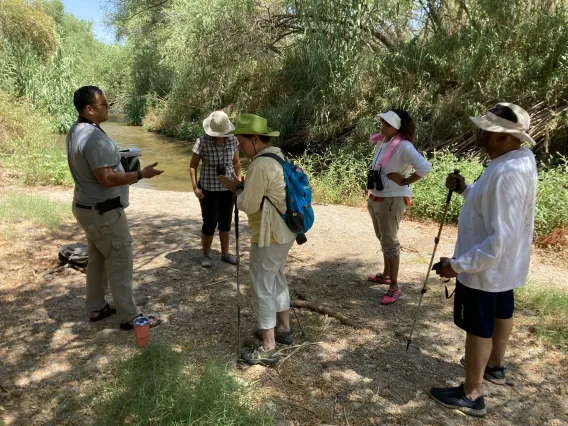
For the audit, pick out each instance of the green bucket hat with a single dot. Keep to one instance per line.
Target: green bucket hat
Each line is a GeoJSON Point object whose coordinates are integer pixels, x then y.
{"type": "Point", "coordinates": [250, 124]}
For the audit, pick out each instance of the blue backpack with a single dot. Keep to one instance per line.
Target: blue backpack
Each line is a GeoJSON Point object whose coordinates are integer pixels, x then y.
{"type": "Point", "coordinates": [299, 215]}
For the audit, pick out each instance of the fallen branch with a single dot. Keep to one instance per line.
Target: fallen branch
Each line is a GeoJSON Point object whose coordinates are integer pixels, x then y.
{"type": "Point", "coordinates": [296, 349]}
{"type": "Point", "coordinates": [52, 271]}
{"type": "Point", "coordinates": [325, 310]}
{"type": "Point", "coordinates": [215, 282]}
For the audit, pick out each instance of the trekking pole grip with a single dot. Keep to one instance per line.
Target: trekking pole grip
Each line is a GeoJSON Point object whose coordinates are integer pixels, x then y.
{"type": "Point", "coordinates": [456, 172]}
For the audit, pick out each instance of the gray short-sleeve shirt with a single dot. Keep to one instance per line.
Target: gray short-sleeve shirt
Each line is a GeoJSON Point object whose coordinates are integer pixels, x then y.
{"type": "Point", "coordinates": [89, 148]}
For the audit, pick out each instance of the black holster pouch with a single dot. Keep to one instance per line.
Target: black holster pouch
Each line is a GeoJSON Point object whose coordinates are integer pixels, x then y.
{"type": "Point", "coordinates": [108, 205]}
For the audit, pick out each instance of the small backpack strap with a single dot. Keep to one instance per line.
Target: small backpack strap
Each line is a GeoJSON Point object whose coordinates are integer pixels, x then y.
{"type": "Point", "coordinates": [270, 201]}
{"type": "Point", "coordinates": [275, 157]}
{"type": "Point", "coordinates": [281, 161]}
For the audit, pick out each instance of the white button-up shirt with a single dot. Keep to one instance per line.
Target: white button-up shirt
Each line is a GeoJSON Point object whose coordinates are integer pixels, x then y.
{"type": "Point", "coordinates": [496, 224]}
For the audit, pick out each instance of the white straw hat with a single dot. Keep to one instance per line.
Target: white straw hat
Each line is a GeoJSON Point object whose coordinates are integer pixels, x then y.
{"type": "Point", "coordinates": [506, 118]}
{"type": "Point", "coordinates": [392, 118]}
{"type": "Point", "coordinates": [217, 124]}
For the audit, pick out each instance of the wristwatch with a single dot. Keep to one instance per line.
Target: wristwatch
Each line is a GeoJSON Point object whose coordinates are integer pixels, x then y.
{"type": "Point", "coordinates": [404, 182]}
{"type": "Point", "coordinates": [240, 186]}
{"type": "Point", "coordinates": [140, 175]}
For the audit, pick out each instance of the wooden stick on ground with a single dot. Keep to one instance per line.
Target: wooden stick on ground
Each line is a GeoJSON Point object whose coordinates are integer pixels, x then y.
{"type": "Point", "coordinates": [326, 310]}
{"type": "Point", "coordinates": [296, 349]}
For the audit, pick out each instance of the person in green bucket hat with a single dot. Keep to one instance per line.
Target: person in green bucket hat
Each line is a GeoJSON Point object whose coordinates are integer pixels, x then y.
{"type": "Point", "coordinates": [271, 239]}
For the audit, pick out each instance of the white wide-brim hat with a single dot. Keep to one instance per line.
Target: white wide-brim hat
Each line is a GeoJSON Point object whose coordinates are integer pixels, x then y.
{"type": "Point", "coordinates": [506, 118]}
{"type": "Point", "coordinates": [392, 118]}
{"type": "Point", "coordinates": [217, 124]}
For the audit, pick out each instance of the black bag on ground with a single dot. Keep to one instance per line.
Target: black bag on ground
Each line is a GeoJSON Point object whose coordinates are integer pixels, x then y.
{"type": "Point", "coordinates": [75, 255]}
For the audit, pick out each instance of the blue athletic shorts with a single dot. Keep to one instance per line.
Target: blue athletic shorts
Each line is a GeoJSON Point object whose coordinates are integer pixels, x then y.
{"type": "Point", "coordinates": [475, 311]}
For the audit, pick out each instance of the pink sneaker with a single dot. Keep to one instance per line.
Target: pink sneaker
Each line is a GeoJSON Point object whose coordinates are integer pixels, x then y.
{"type": "Point", "coordinates": [391, 296]}
{"type": "Point", "coordinates": [379, 279]}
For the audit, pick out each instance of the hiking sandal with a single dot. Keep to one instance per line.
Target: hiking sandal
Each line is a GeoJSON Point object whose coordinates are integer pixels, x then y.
{"type": "Point", "coordinates": [105, 312]}
{"type": "Point", "coordinates": [379, 279]}
{"type": "Point", "coordinates": [153, 320]}
{"type": "Point", "coordinates": [258, 355]}
{"type": "Point", "coordinates": [391, 296]}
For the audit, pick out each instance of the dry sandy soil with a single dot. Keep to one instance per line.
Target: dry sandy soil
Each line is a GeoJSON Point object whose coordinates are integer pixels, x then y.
{"type": "Point", "coordinates": [49, 352]}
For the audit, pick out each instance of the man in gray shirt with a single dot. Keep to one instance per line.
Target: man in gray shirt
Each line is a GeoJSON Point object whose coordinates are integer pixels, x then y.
{"type": "Point", "coordinates": [101, 195]}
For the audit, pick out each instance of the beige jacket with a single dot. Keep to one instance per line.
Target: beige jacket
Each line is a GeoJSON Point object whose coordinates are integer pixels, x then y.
{"type": "Point", "coordinates": [265, 177]}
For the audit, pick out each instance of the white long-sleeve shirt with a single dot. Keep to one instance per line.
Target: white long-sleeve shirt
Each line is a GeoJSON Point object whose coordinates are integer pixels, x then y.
{"type": "Point", "coordinates": [265, 177]}
{"type": "Point", "coordinates": [496, 223]}
{"type": "Point", "coordinates": [404, 158]}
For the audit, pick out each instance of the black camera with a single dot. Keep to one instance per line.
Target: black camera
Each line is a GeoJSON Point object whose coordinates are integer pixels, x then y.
{"type": "Point", "coordinates": [374, 180]}
{"type": "Point", "coordinates": [221, 170]}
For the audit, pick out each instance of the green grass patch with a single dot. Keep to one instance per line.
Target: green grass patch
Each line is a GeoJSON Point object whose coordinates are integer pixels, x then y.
{"type": "Point", "coordinates": [159, 386]}
{"type": "Point", "coordinates": [15, 208]}
{"type": "Point", "coordinates": [549, 306]}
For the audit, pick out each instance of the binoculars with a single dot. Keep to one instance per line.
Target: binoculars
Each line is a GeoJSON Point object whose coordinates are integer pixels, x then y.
{"type": "Point", "coordinates": [374, 180]}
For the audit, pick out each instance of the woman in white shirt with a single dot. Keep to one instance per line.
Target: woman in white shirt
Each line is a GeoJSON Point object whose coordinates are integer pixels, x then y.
{"type": "Point", "coordinates": [388, 182]}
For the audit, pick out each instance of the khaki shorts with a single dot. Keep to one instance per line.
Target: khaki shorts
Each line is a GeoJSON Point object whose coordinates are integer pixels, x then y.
{"type": "Point", "coordinates": [386, 216]}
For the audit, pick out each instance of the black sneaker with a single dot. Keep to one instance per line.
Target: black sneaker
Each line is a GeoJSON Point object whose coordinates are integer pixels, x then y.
{"type": "Point", "coordinates": [283, 337]}
{"type": "Point", "coordinates": [494, 375]}
{"type": "Point", "coordinates": [455, 399]}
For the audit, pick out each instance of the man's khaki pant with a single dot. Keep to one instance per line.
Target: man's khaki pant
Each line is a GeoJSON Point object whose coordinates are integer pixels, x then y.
{"type": "Point", "coordinates": [110, 260]}
{"type": "Point", "coordinates": [386, 216]}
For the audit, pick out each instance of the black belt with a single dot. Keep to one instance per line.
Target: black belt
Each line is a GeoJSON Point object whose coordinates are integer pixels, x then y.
{"type": "Point", "coordinates": [82, 206]}
{"type": "Point", "coordinates": [105, 206]}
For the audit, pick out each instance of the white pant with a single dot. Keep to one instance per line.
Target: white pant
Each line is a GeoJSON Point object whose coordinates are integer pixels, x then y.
{"type": "Point", "coordinates": [269, 284]}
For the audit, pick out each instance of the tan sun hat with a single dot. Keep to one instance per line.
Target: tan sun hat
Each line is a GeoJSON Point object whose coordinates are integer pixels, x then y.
{"type": "Point", "coordinates": [505, 117]}
{"type": "Point", "coordinates": [217, 124]}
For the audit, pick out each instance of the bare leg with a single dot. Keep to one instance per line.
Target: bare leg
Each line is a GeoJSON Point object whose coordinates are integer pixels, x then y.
{"type": "Point", "coordinates": [394, 263]}
{"type": "Point", "coordinates": [206, 242]}
{"type": "Point", "coordinates": [386, 267]}
{"type": "Point", "coordinates": [500, 340]}
{"type": "Point", "coordinates": [283, 320]}
{"type": "Point", "coordinates": [224, 239]}
{"type": "Point", "coordinates": [477, 352]}
{"type": "Point", "coordinates": [268, 341]}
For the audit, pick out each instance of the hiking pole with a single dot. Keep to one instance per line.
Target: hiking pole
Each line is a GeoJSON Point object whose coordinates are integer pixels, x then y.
{"type": "Point", "coordinates": [238, 286]}
{"type": "Point", "coordinates": [436, 241]}
{"type": "Point", "coordinates": [297, 319]}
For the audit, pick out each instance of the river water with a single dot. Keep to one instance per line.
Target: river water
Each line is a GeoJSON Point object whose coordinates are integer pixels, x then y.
{"type": "Point", "coordinates": [173, 155]}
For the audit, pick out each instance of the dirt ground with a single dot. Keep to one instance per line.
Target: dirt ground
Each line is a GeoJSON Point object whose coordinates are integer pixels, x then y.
{"type": "Point", "coordinates": [49, 352]}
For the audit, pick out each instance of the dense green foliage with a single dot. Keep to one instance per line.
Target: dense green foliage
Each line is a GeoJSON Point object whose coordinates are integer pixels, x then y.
{"type": "Point", "coordinates": [159, 386]}
{"type": "Point", "coordinates": [45, 55]}
{"type": "Point", "coordinates": [338, 176]}
{"type": "Point", "coordinates": [321, 69]}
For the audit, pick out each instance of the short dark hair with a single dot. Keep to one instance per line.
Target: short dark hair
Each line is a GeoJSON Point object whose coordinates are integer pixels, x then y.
{"type": "Point", "coordinates": [407, 126]}
{"type": "Point", "coordinates": [263, 138]}
{"type": "Point", "coordinates": [505, 112]}
{"type": "Point", "coordinates": [84, 96]}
